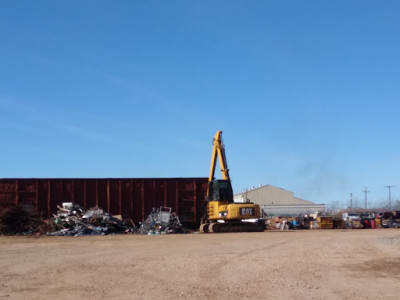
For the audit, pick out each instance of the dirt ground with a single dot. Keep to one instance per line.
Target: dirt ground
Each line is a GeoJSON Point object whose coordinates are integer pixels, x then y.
{"type": "Point", "coordinates": [324, 264]}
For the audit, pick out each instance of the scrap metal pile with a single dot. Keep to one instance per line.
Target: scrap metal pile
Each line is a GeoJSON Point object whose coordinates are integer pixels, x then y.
{"type": "Point", "coordinates": [73, 220]}
{"type": "Point", "coordinates": [317, 220]}
{"type": "Point", "coordinates": [161, 221]}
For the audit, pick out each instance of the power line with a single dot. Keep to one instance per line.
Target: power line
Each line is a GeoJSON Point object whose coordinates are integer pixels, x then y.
{"type": "Point", "coordinates": [390, 199]}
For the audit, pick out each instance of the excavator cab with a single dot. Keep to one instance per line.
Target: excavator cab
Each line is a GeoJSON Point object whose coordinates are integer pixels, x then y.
{"type": "Point", "coordinates": [220, 190]}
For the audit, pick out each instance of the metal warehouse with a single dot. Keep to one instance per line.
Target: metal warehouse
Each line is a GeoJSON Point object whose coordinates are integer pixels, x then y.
{"type": "Point", "coordinates": [277, 201]}
{"type": "Point", "coordinates": [129, 197]}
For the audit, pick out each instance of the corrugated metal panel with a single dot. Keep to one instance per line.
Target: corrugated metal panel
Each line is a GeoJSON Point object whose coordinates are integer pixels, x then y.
{"type": "Point", "coordinates": [130, 197]}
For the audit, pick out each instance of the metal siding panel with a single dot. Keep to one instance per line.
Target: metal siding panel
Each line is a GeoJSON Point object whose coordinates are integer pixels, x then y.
{"type": "Point", "coordinates": [66, 191]}
{"type": "Point", "coordinates": [90, 193]}
{"type": "Point", "coordinates": [56, 196]}
{"type": "Point", "coordinates": [73, 191]}
{"type": "Point", "coordinates": [84, 193]}
{"type": "Point", "coordinates": [114, 200]}
{"type": "Point", "coordinates": [16, 192]}
{"type": "Point", "coordinates": [270, 195]}
{"type": "Point", "coordinates": [126, 198]}
{"type": "Point", "coordinates": [7, 199]}
{"type": "Point", "coordinates": [171, 193]}
{"type": "Point", "coordinates": [160, 192]}
{"type": "Point", "coordinates": [165, 193]}
{"type": "Point", "coordinates": [131, 198]}
{"type": "Point", "coordinates": [26, 185]}
{"type": "Point", "coordinates": [48, 198]}
{"type": "Point", "coordinates": [149, 197]}
{"type": "Point", "coordinates": [102, 194]}
{"type": "Point", "coordinates": [27, 197]}
{"type": "Point", "coordinates": [108, 196]}
{"type": "Point", "coordinates": [201, 191]}
{"type": "Point", "coordinates": [7, 185]}
{"type": "Point", "coordinates": [137, 197]}
{"type": "Point", "coordinates": [42, 192]}
{"type": "Point", "coordinates": [186, 201]}
{"type": "Point", "coordinates": [79, 192]}
{"type": "Point", "coordinates": [8, 194]}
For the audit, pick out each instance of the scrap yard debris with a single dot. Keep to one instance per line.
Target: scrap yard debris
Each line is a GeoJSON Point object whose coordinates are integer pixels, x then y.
{"type": "Point", "coordinates": [317, 220]}
{"type": "Point", "coordinates": [161, 221]}
{"type": "Point", "coordinates": [16, 221]}
{"type": "Point", "coordinates": [73, 220]}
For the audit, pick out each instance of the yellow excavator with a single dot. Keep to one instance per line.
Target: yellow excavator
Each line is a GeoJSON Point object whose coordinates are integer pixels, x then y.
{"type": "Point", "coordinates": [221, 213]}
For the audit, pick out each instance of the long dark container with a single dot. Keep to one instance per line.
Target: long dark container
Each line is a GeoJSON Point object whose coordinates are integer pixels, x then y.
{"type": "Point", "coordinates": [131, 198]}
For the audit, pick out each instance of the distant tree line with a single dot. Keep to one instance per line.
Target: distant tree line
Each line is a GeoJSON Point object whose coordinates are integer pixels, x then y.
{"type": "Point", "coordinates": [358, 205]}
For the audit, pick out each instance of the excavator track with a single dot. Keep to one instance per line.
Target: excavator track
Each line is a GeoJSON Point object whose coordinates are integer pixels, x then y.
{"type": "Point", "coordinates": [204, 228]}
{"type": "Point", "coordinates": [232, 227]}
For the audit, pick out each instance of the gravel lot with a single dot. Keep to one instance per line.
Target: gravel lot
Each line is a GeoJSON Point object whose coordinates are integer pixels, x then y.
{"type": "Point", "coordinates": [321, 264]}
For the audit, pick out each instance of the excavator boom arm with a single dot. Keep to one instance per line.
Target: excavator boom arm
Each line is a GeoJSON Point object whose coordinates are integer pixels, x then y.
{"type": "Point", "coordinates": [218, 151]}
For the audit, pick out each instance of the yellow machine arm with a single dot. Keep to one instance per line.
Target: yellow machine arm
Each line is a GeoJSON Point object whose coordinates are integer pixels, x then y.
{"type": "Point", "coordinates": [218, 150]}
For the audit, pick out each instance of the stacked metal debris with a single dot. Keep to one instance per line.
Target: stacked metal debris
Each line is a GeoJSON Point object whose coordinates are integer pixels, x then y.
{"type": "Point", "coordinates": [73, 220]}
{"type": "Point", "coordinates": [390, 219]}
{"type": "Point", "coordinates": [161, 221]}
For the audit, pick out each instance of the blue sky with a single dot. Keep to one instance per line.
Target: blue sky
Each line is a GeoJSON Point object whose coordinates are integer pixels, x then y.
{"type": "Point", "coordinates": [305, 92]}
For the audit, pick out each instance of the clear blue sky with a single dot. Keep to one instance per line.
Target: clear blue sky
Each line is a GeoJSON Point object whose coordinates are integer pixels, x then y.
{"type": "Point", "coordinates": [307, 93]}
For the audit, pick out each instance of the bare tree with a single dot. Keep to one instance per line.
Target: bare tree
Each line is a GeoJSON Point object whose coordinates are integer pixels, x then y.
{"type": "Point", "coordinates": [396, 205]}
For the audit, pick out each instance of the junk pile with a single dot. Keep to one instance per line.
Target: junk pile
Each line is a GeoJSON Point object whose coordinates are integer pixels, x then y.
{"type": "Point", "coordinates": [73, 220]}
{"type": "Point", "coordinates": [338, 223]}
{"type": "Point", "coordinates": [289, 223]}
{"type": "Point", "coordinates": [312, 221]}
{"type": "Point", "coordinates": [325, 222]}
{"type": "Point", "coordinates": [391, 219]}
{"type": "Point", "coordinates": [371, 220]}
{"type": "Point", "coordinates": [161, 221]}
{"type": "Point", "coordinates": [16, 221]}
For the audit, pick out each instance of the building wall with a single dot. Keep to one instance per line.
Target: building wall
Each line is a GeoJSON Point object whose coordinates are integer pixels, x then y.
{"type": "Point", "coordinates": [269, 194]}
{"type": "Point", "coordinates": [301, 201]}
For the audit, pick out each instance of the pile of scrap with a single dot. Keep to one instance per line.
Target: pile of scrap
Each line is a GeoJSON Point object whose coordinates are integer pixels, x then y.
{"type": "Point", "coordinates": [325, 222]}
{"type": "Point", "coordinates": [312, 221]}
{"type": "Point", "coordinates": [161, 221]}
{"type": "Point", "coordinates": [73, 220]}
{"type": "Point", "coordinates": [16, 221]}
{"type": "Point", "coordinates": [390, 219]}
{"type": "Point", "coordinates": [338, 223]}
{"type": "Point", "coordinates": [284, 223]}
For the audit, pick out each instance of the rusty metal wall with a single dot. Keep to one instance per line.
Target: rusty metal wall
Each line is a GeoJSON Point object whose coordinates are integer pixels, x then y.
{"type": "Point", "coordinates": [130, 197]}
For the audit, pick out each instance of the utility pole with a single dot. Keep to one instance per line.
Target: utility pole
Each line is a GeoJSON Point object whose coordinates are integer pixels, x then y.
{"type": "Point", "coordinates": [351, 200]}
{"type": "Point", "coordinates": [390, 198]}
{"type": "Point", "coordinates": [366, 191]}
